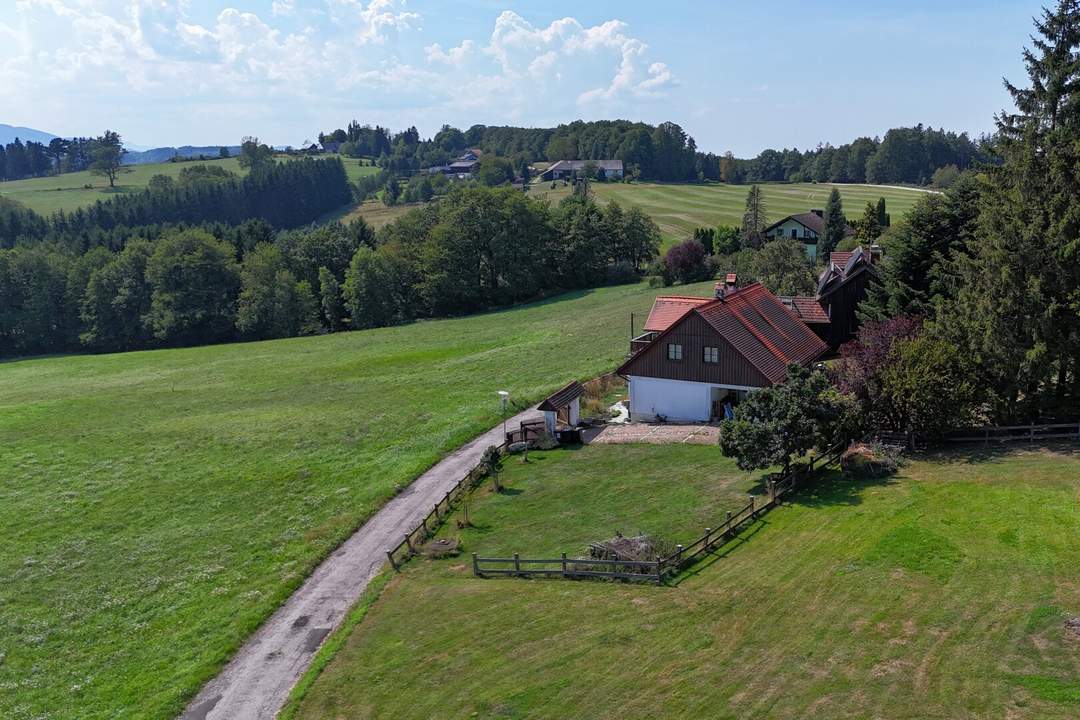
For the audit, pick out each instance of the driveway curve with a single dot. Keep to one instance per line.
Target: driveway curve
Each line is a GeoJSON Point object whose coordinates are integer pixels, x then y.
{"type": "Point", "coordinates": [256, 682]}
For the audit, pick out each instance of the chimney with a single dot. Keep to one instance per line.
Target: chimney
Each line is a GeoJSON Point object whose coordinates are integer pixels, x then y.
{"type": "Point", "coordinates": [818, 211]}
{"type": "Point", "coordinates": [875, 254]}
{"type": "Point", "coordinates": [727, 286]}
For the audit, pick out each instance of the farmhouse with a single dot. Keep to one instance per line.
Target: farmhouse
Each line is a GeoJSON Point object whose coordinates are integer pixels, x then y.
{"type": "Point", "coordinates": [807, 226]}
{"type": "Point", "coordinates": [564, 169]}
{"type": "Point", "coordinates": [696, 355]}
{"type": "Point", "coordinates": [700, 356]}
{"type": "Point", "coordinates": [466, 164]}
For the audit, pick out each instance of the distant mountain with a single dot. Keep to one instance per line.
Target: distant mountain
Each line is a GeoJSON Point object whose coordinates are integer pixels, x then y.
{"type": "Point", "coordinates": [164, 154]}
{"type": "Point", "coordinates": [8, 133]}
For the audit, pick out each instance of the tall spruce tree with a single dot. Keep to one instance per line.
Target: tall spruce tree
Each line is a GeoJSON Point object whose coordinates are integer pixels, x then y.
{"type": "Point", "coordinates": [835, 224]}
{"type": "Point", "coordinates": [882, 214]}
{"type": "Point", "coordinates": [1017, 313]}
{"type": "Point", "coordinates": [753, 222]}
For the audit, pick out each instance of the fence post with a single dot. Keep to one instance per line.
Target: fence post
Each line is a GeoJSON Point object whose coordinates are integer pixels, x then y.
{"type": "Point", "coordinates": [659, 571]}
{"type": "Point", "coordinates": [752, 510]}
{"type": "Point", "coordinates": [517, 565]}
{"type": "Point", "coordinates": [475, 566]}
{"type": "Point", "coordinates": [708, 532]}
{"type": "Point", "coordinates": [678, 553]}
{"type": "Point", "coordinates": [437, 518]}
{"type": "Point", "coordinates": [408, 541]}
{"type": "Point", "coordinates": [564, 573]}
{"type": "Point", "coordinates": [390, 557]}
{"type": "Point", "coordinates": [727, 523]}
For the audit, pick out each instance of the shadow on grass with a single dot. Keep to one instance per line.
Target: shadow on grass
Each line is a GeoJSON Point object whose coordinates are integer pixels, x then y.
{"type": "Point", "coordinates": [719, 553]}
{"type": "Point", "coordinates": [836, 488]}
{"type": "Point", "coordinates": [976, 453]}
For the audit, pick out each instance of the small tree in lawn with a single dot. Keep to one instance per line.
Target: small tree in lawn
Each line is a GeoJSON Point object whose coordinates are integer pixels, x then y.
{"type": "Point", "coordinates": [106, 152]}
{"type": "Point", "coordinates": [780, 423]}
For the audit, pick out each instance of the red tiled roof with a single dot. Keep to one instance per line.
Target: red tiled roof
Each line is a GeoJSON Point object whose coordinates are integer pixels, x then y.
{"type": "Point", "coordinates": [760, 328]}
{"type": "Point", "coordinates": [807, 309]}
{"type": "Point", "coordinates": [840, 258]}
{"type": "Point", "coordinates": [667, 309]}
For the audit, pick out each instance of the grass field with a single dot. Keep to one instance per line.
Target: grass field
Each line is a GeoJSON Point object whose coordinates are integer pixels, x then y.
{"type": "Point", "coordinates": [68, 192]}
{"type": "Point", "coordinates": [679, 209]}
{"type": "Point", "coordinates": [373, 211]}
{"type": "Point", "coordinates": [157, 506]}
{"type": "Point", "coordinates": [940, 593]}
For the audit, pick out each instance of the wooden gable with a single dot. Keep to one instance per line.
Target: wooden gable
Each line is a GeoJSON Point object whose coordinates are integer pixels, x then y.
{"type": "Point", "coordinates": [694, 334]}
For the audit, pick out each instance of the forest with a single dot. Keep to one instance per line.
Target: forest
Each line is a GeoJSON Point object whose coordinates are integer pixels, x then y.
{"type": "Point", "coordinates": [187, 280]}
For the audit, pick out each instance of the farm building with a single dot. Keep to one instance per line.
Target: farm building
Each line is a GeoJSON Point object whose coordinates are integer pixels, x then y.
{"type": "Point", "coordinates": [691, 366]}
{"type": "Point", "coordinates": [698, 354]}
{"type": "Point", "coordinates": [807, 226]}
{"type": "Point", "coordinates": [463, 166]}
{"type": "Point", "coordinates": [565, 169]}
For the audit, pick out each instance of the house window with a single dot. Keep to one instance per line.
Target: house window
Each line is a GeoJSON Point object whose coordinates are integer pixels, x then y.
{"type": "Point", "coordinates": [712, 355]}
{"type": "Point", "coordinates": [794, 232]}
{"type": "Point", "coordinates": [674, 352]}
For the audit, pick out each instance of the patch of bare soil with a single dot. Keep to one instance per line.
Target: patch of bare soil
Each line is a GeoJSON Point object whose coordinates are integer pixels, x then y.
{"type": "Point", "coordinates": [1072, 628]}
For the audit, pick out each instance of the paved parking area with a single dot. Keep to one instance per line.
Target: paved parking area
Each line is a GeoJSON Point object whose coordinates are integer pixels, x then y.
{"type": "Point", "coordinates": [654, 433]}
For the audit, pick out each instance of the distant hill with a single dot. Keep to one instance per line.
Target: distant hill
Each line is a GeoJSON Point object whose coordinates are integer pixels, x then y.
{"type": "Point", "coordinates": [164, 154]}
{"type": "Point", "coordinates": [8, 133]}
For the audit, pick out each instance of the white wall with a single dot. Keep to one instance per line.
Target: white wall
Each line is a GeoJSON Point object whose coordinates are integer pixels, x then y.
{"type": "Point", "coordinates": [676, 399]}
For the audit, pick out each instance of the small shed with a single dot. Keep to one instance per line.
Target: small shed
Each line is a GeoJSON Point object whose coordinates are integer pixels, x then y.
{"type": "Point", "coordinates": [563, 406]}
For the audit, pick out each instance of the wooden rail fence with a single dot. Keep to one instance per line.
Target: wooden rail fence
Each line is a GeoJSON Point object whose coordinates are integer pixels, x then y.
{"type": "Point", "coordinates": [662, 567]}
{"type": "Point", "coordinates": [1012, 433]}
{"type": "Point", "coordinates": [410, 544]}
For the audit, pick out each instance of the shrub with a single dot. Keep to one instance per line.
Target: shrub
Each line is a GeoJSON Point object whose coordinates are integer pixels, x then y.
{"type": "Point", "coordinates": [685, 262]}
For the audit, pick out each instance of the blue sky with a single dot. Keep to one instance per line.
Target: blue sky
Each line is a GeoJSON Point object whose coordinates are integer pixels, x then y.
{"type": "Point", "coordinates": [737, 76]}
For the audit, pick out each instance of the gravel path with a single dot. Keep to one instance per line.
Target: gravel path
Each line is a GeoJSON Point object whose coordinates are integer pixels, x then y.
{"type": "Point", "coordinates": [256, 682]}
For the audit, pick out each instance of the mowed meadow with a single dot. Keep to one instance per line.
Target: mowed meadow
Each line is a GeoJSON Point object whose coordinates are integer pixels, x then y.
{"type": "Point", "coordinates": [70, 191]}
{"type": "Point", "coordinates": [157, 506]}
{"type": "Point", "coordinates": [947, 591]}
{"type": "Point", "coordinates": [680, 208]}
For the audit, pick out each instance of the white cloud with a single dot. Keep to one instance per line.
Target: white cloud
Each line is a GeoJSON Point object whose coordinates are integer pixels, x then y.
{"type": "Point", "coordinates": [299, 58]}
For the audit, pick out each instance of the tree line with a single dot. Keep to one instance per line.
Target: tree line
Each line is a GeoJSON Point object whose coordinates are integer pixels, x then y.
{"type": "Point", "coordinates": [910, 155]}
{"type": "Point", "coordinates": [664, 152]}
{"type": "Point", "coordinates": [176, 284]}
{"type": "Point", "coordinates": [284, 194]}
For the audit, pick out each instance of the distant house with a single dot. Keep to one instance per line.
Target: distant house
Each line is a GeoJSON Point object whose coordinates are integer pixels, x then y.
{"type": "Point", "coordinates": [700, 354]}
{"type": "Point", "coordinates": [466, 164]}
{"type": "Point", "coordinates": [565, 169]}
{"type": "Point", "coordinates": [807, 226]}
{"type": "Point", "coordinates": [331, 147]}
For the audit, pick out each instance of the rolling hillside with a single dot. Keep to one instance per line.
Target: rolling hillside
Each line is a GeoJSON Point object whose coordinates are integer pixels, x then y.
{"type": "Point", "coordinates": [69, 191]}
{"type": "Point", "coordinates": [157, 506]}
{"type": "Point", "coordinates": [678, 209]}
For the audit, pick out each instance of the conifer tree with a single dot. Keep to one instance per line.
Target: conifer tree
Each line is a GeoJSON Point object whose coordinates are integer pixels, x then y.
{"type": "Point", "coordinates": [835, 224]}
{"type": "Point", "coordinates": [753, 222]}
{"type": "Point", "coordinates": [1016, 313]}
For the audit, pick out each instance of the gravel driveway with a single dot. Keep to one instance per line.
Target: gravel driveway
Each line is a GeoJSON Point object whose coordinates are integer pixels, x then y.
{"type": "Point", "coordinates": [256, 682]}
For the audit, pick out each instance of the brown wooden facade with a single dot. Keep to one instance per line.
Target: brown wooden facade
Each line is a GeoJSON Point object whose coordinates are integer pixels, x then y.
{"type": "Point", "coordinates": [841, 304]}
{"type": "Point", "coordinates": [694, 335]}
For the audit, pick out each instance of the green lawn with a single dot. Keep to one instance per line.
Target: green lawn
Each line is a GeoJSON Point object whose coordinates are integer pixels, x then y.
{"type": "Point", "coordinates": [68, 192]}
{"type": "Point", "coordinates": [157, 506]}
{"type": "Point", "coordinates": [940, 593]}
{"type": "Point", "coordinates": [679, 208]}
